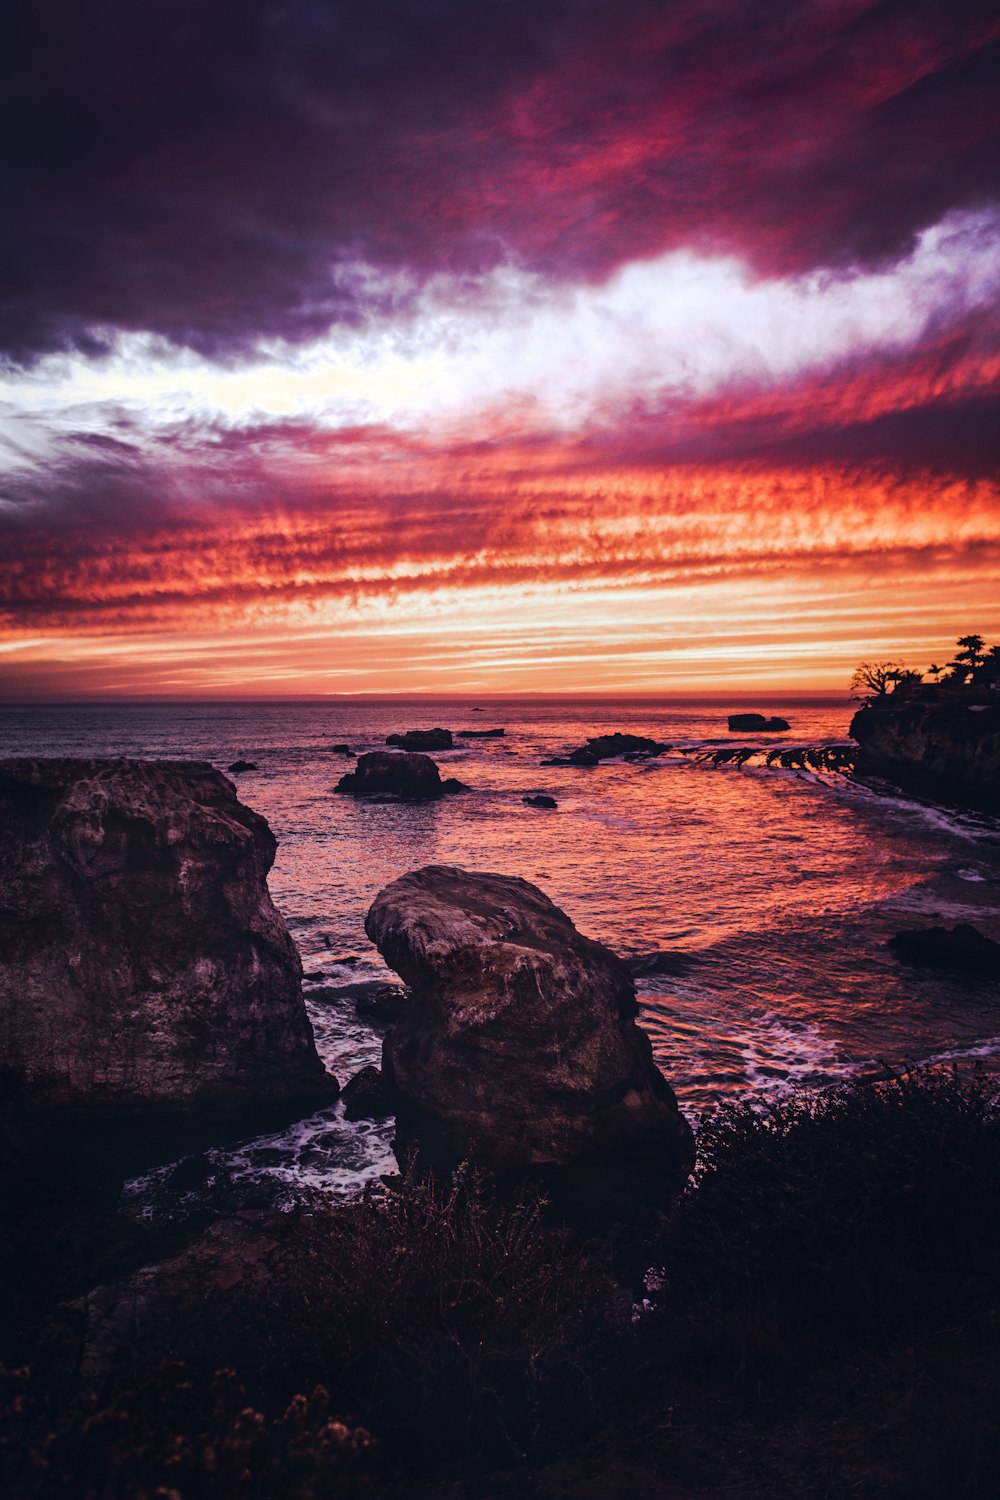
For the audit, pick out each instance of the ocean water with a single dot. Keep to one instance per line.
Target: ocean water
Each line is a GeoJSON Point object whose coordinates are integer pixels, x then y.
{"type": "Point", "coordinates": [782, 887]}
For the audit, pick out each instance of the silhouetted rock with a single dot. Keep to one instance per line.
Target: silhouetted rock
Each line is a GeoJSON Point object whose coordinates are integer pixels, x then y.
{"type": "Point", "coordinates": [397, 776]}
{"type": "Point", "coordinates": [142, 961]}
{"type": "Point", "coordinates": [605, 746]}
{"type": "Point", "coordinates": [949, 750]}
{"type": "Point", "coordinates": [646, 965]}
{"type": "Point", "coordinates": [576, 758]}
{"type": "Point", "coordinates": [341, 750]}
{"type": "Point", "coordinates": [422, 739]}
{"type": "Point", "coordinates": [743, 722]}
{"type": "Point", "coordinates": [480, 734]}
{"type": "Point", "coordinates": [519, 1046]}
{"type": "Point", "coordinates": [541, 799]}
{"type": "Point", "coordinates": [962, 947]}
{"type": "Point", "coordinates": [241, 765]}
{"type": "Point", "coordinates": [364, 1096]}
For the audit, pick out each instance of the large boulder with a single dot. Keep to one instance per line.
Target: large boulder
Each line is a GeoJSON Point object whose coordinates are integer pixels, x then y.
{"type": "Point", "coordinates": [397, 776]}
{"type": "Point", "coordinates": [518, 1047]}
{"type": "Point", "coordinates": [142, 961]}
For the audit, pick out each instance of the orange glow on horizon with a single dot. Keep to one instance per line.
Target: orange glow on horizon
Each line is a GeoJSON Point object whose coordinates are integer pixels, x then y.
{"type": "Point", "coordinates": [626, 581]}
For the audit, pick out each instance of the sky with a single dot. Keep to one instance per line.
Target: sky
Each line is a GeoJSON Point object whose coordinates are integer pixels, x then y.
{"type": "Point", "coordinates": [592, 346]}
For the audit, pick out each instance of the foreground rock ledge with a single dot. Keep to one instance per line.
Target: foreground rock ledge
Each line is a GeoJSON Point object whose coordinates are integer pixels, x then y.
{"type": "Point", "coordinates": [142, 961]}
{"type": "Point", "coordinates": [519, 1047]}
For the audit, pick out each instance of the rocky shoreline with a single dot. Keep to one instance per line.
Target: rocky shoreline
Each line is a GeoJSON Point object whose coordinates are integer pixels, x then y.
{"type": "Point", "coordinates": [947, 749]}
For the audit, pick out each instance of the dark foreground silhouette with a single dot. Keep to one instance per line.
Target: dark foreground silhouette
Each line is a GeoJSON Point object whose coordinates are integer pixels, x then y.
{"type": "Point", "coordinates": [816, 1314]}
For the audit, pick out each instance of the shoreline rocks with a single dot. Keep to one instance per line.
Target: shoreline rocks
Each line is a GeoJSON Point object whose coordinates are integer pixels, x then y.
{"type": "Point", "coordinates": [397, 776]}
{"type": "Point", "coordinates": [518, 1047]}
{"type": "Point", "coordinates": [948, 750]}
{"type": "Point", "coordinates": [142, 961]}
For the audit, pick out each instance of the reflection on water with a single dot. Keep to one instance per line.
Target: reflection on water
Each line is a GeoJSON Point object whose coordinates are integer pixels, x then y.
{"type": "Point", "coordinates": [784, 885]}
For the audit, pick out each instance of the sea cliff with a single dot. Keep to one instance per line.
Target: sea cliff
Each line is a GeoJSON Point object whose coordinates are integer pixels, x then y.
{"type": "Point", "coordinates": [946, 748]}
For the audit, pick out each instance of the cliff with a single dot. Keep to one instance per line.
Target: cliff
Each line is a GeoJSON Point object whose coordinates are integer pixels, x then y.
{"type": "Point", "coordinates": [142, 961]}
{"type": "Point", "coordinates": [947, 749]}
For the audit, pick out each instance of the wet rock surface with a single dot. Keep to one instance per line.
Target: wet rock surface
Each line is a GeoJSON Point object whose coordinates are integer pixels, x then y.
{"type": "Point", "coordinates": [397, 776]}
{"type": "Point", "coordinates": [519, 1046]}
{"type": "Point", "coordinates": [142, 961]}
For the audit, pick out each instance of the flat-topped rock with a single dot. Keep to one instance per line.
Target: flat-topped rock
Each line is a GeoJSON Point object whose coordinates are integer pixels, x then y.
{"type": "Point", "coordinates": [142, 961]}
{"type": "Point", "coordinates": [422, 739]}
{"type": "Point", "coordinates": [397, 776]}
{"type": "Point", "coordinates": [768, 725]}
{"type": "Point", "coordinates": [519, 1047]}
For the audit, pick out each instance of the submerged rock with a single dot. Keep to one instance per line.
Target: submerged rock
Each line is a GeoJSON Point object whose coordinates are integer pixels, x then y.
{"type": "Point", "coordinates": [962, 947]}
{"type": "Point", "coordinates": [398, 776]}
{"type": "Point", "coordinates": [519, 1046]}
{"type": "Point", "coordinates": [646, 965]}
{"type": "Point", "coordinates": [342, 750]}
{"type": "Point", "coordinates": [422, 739]}
{"type": "Point", "coordinates": [241, 765]}
{"type": "Point", "coordinates": [743, 722]}
{"type": "Point", "coordinates": [142, 961]}
{"type": "Point", "coordinates": [541, 799]}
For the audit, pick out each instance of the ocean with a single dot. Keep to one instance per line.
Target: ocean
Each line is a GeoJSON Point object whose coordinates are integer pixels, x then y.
{"type": "Point", "coordinates": [782, 888]}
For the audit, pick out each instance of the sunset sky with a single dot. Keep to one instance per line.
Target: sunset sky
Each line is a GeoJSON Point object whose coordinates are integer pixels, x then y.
{"type": "Point", "coordinates": [447, 347]}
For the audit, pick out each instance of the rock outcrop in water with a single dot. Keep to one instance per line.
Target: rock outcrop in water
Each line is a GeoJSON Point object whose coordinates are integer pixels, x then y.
{"type": "Point", "coordinates": [746, 722]}
{"type": "Point", "coordinates": [519, 1047]}
{"type": "Point", "coordinates": [947, 749]}
{"type": "Point", "coordinates": [397, 776]}
{"type": "Point", "coordinates": [422, 739]}
{"type": "Point", "coordinates": [142, 961]}
{"type": "Point", "coordinates": [962, 948]}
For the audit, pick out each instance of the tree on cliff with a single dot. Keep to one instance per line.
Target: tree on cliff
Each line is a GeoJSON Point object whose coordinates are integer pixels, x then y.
{"type": "Point", "coordinates": [968, 659]}
{"type": "Point", "coordinates": [874, 679]}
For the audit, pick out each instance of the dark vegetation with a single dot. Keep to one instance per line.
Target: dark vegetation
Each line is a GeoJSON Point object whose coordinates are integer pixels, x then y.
{"type": "Point", "coordinates": [823, 1321]}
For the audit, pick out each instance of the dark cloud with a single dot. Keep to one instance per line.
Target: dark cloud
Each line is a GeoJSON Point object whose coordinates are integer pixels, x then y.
{"type": "Point", "coordinates": [219, 172]}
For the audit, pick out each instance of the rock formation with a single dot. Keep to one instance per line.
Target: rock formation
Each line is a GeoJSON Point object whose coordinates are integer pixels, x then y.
{"type": "Point", "coordinates": [745, 722]}
{"type": "Point", "coordinates": [519, 1047]}
{"type": "Point", "coordinates": [947, 749]}
{"type": "Point", "coordinates": [481, 734]}
{"type": "Point", "coordinates": [541, 799]}
{"type": "Point", "coordinates": [397, 776]}
{"type": "Point", "coordinates": [606, 746]}
{"type": "Point", "coordinates": [142, 961]}
{"type": "Point", "coordinates": [422, 739]}
{"type": "Point", "coordinates": [962, 948]}
{"type": "Point", "coordinates": [365, 1097]}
